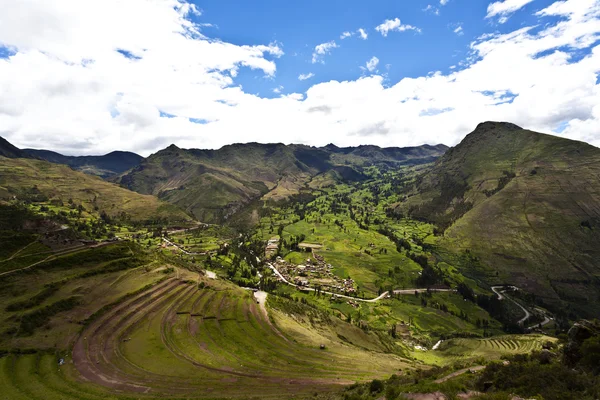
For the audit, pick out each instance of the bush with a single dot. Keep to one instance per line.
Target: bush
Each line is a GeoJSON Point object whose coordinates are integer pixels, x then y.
{"type": "Point", "coordinates": [38, 318]}
{"type": "Point", "coordinates": [376, 386]}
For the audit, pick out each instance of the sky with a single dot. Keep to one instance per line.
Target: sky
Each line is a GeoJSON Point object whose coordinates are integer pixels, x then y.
{"type": "Point", "coordinates": [92, 76]}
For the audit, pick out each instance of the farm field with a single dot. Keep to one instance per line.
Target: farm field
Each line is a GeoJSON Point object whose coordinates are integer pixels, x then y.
{"type": "Point", "coordinates": [483, 350]}
{"type": "Point", "coordinates": [175, 339]}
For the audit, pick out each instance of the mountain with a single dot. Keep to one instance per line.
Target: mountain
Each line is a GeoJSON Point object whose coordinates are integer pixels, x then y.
{"type": "Point", "coordinates": [113, 163]}
{"type": "Point", "coordinates": [526, 207]}
{"type": "Point", "coordinates": [214, 184]}
{"type": "Point", "coordinates": [9, 151]}
{"type": "Point", "coordinates": [29, 179]}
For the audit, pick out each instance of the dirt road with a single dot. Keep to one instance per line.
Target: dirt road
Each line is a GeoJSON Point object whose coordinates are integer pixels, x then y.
{"type": "Point", "coordinates": [460, 372]}
{"type": "Point", "coordinates": [381, 296]}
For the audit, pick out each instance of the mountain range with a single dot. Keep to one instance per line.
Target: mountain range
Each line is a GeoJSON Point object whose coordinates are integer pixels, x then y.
{"type": "Point", "coordinates": [110, 164]}
{"type": "Point", "coordinates": [105, 166]}
{"type": "Point", "coordinates": [214, 184]}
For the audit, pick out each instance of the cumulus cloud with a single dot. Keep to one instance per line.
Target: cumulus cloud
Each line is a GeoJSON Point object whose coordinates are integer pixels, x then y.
{"type": "Point", "coordinates": [504, 8]}
{"type": "Point", "coordinates": [323, 49]}
{"type": "Point", "coordinates": [444, 2]}
{"type": "Point", "coordinates": [67, 88]}
{"type": "Point", "coordinates": [394, 25]}
{"type": "Point", "coordinates": [304, 77]}
{"type": "Point", "coordinates": [363, 34]}
{"type": "Point", "coordinates": [346, 35]}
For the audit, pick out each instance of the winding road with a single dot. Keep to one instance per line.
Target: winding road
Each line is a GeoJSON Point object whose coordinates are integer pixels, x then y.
{"type": "Point", "coordinates": [501, 296]}
{"type": "Point", "coordinates": [381, 296]}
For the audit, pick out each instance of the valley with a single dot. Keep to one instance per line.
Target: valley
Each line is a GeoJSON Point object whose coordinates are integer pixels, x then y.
{"type": "Point", "coordinates": [274, 271]}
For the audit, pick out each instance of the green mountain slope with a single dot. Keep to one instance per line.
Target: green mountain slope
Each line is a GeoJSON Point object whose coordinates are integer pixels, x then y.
{"type": "Point", "coordinates": [104, 166]}
{"type": "Point", "coordinates": [527, 205]}
{"type": "Point", "coordinates": [214, 184]}
{"type": "Point", "coordinates": [29, 179]}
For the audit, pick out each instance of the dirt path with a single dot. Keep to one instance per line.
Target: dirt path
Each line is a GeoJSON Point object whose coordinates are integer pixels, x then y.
{"type": "Point", "coordinates": [381, 296]}
{"type": "Point", "coordinates": [20, 250]}
{"type": "Point", "coordinates": [54, 255]}
{"type": "Point", "coordinates": [211, 275]}
{"type": "Point", "coordinates": [460, 372]}
{"type": "Point", "coordinates": [261, 299]}
{"type": "Point", "coordinates": [184, 251]}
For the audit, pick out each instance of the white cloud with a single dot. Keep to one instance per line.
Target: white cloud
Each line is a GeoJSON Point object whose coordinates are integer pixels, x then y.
{"type": "Point", "coordinates": [304, 77]}
{"type": "Point", "coordinates": [67, 89]}
{"type": "Point", "coordinates": [372, 64]}
{"type": "Point", "coordinates": [504, 8]}
{"type": "Point", "coordinates": [394, 25]}
{"type": "Point", "coordinates": [323, 49]}
{"type": "Point", "coordinates": [458, 29]}
{"type": "Point", "coordinates": [444, 2]}
{"type": "Point", "coordinates": [278, 89]}
{"type": "Point", "coordinates": [432, 9]}
{"type": "Point", "coordinates": [360, 32]}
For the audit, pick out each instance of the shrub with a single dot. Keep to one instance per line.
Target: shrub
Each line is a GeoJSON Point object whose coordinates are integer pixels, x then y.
{"type": "Point", "coordinates": [376, 386]}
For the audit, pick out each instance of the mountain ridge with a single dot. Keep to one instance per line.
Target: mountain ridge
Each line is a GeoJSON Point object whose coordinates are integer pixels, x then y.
{"type": "Point", "coordinates": [106, 165]}
{"type": "Point", "coordinates": [214, 184]}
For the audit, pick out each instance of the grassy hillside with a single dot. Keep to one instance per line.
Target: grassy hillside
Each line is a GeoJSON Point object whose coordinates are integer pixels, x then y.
{"type": "Point", "coordinates": [526, 205]}
{"type": "Point", "coordinates": [37, 180]}
{"type": "Point", "coordinates": [215, 184]}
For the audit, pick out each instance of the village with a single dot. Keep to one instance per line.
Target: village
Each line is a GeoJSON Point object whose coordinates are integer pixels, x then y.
{"type": "Point", "coordinates": [315, 273]}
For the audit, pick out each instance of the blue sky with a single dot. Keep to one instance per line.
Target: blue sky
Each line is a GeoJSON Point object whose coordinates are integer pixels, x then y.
{"type": "Point", "coordinates": [208, 73]}
{"type": "Point", "coordinates": [301, 25]}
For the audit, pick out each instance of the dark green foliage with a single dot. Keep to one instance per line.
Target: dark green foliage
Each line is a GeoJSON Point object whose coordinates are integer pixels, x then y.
{"type": "Point", "coordinates": [536, 375]}
{"type": "Point", "coordinates": [90, 257]}
{"type": "Point", "coordinates": [35, 300]}
{"type": "Point", "coordinates": [590, 350]}
{"type": "Point", "coordinates": [36, 319]}
{"type": "Point", "coordinates": [117, 265]}
{"type": "Point", "coordinates": [447, 207]}
{"type": "Point", "coordinates": [376, 386]}
{"type": "Point", "coordinates": [502, 182]}
{"type": "Point", "coordinates": [12, 218]}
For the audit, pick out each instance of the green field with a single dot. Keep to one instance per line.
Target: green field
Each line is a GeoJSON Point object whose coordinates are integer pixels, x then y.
{"type": "Point", "coordinates": [463, 350]}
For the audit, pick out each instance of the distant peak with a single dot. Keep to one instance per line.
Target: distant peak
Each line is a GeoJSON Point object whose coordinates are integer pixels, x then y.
{"type": "Point", "coordinates": [172, 147]}
{"type": "Point", "coordinates": [488, 125]}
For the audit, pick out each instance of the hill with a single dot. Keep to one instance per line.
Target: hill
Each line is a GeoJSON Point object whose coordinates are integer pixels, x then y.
{"type": "Point", "coordinates": [9, 151]}
{"type": "Point", "coordinates": [526, 206]}
{"type": "Point", "coordinates": [214, 184]}
{"type": "Point", "coordinates": [104, 166]}
{"type": "Point", "coordinates": [38, 180]}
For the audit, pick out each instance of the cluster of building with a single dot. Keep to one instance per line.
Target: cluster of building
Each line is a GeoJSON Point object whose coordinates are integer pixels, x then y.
{"type": "Point", "coordinates": [272, 246]}
{"type": "Point", "coordinates": [315, 273]}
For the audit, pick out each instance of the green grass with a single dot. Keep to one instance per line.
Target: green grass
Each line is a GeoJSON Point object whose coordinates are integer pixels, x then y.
{"type": "Point", "coordinates": [345, 249]}
{"type": "Point", "coordinates": [60, 182]}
